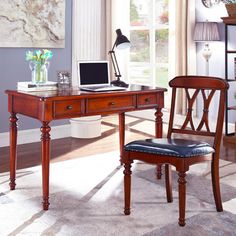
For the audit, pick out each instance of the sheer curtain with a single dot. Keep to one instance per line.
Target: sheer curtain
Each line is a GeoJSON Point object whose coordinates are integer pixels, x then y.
{"type": "Point", "coordinates": [117, 17]}
{"type": "Point", "coordinates": [184, 46]}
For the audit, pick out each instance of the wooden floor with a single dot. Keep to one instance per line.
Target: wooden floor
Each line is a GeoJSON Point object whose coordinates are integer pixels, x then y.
{"type": "Point", "coordinates": [70, 148]}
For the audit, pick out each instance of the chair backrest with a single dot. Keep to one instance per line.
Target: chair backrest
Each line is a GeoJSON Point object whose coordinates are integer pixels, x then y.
{"type": "Point", "coordinates": [205, 87]}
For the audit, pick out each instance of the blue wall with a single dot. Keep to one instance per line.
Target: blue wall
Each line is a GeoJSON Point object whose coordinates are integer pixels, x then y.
{"type": "Point", "coordinates": [14, 68]}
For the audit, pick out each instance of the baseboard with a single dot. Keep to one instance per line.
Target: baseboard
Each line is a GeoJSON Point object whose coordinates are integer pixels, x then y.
{"type": "Point", "coordinates": [33, 135]}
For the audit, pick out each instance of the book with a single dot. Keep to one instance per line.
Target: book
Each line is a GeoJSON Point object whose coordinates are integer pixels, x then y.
{"type": "Point", "coordinates": [30, 87]}
{"type": "Point", "coordinates": [19, 88]}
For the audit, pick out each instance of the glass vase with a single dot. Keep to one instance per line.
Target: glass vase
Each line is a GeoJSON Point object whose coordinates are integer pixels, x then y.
{"type": "Point", "coordinates": [39, 72]}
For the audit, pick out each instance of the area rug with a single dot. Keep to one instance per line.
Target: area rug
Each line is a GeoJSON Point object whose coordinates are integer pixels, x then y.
{"type": "Point", "coordinates": [86, 196]}
{"type": "Point", "coordinates": [198, 182]}
{"type": "Point", "coordinates": [202, 224]}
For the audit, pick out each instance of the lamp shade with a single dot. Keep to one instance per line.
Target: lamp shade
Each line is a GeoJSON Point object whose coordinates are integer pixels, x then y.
{"type": "Point", "coordinates": [206, 31]}
{"type": "Point", "coordinates": [122, 41]}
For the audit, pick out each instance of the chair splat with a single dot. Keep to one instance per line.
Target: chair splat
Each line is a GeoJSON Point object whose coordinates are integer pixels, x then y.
{"type": "Point", "coordinates": [206, 101]}
{"type": "Point", "coordinates": [189, 118]}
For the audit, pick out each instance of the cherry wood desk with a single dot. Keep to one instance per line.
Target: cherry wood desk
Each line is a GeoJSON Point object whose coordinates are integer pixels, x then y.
{"type": "Point", "coordinates": [52, 105]}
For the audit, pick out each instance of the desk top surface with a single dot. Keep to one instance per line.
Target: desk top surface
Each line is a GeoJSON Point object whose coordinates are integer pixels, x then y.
{"type": "Point", "coordinates": [76, 92]}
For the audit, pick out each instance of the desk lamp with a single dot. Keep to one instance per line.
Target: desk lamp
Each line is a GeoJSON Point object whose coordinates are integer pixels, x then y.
{"type": "Point", "coordinates": [205, 32]}
{"type": "Point", "coordinates": [121, 42]}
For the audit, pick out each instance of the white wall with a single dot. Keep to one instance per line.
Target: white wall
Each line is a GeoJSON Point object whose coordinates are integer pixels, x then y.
{"type": "Point", "coordinates": [217, 60]}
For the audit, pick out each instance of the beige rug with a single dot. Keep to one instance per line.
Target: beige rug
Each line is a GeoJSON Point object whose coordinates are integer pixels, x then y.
{"type": "Point", "coordinates": [87, 199]}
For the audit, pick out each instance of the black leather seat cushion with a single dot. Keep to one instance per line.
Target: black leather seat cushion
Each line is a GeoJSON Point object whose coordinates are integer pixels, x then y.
{"type": "Point", "coordinates": [170, 147]}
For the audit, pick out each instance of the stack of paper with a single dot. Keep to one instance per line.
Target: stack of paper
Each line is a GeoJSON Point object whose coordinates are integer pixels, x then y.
{"type": "Point", "coordinates": [29, 86]}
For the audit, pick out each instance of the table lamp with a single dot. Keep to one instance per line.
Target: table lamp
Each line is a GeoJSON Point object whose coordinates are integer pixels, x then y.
{"type": "Point", "coordinates": [121, 42]}
{"type": "Point", "coordinates": [206, 32]}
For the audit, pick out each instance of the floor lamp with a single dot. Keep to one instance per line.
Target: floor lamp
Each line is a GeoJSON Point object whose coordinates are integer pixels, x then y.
{"type": "Point", "coordinates": [121, 42]}
{"type": "Point", "coordinates": [206, 32]}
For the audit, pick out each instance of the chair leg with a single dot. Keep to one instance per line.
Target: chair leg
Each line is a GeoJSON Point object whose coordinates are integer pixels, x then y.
{"type": "Point", "coordinates": [127, 187]}
{"type": "Point", "coordinates": [182, 197]}
{"type": "Point", "coordinates": [168, 178]}
{"type": "Point", "coordinates": [159, 171]}
{"type": "Point", "coordinates": [216, 185]}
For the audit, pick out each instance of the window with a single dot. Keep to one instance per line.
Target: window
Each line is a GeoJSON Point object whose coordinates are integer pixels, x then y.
{"type": "Point", "coordinates": [149, 34]}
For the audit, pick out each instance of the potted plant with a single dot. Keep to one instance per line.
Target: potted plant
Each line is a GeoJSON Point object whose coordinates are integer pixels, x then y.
{"type": "Point", "coordinates": [230, 7]}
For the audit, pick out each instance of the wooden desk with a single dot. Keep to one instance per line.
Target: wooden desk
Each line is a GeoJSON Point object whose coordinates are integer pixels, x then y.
{"type": "Point", "coordinates": [47, 106]}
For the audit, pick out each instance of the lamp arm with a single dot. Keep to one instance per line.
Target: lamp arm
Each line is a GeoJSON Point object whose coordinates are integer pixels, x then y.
{"type": "Point", "coordinates": [113, 47]}
{"type": "Point", "coordinates": [115, 64]}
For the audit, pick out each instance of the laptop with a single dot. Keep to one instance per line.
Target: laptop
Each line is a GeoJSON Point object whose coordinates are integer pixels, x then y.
{"type": "Point", "coordinates": [94, 76]}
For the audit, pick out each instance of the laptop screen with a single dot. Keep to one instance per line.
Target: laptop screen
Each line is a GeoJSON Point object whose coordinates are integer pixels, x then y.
{"type": "Point", "coordinates": [93, 73]}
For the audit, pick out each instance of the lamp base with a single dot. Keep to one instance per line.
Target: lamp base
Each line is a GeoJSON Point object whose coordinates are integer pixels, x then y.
{"type": "Point", "coordinates": [119, 83]}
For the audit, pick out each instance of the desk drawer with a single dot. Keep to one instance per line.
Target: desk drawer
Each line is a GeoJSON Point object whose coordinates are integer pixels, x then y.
{"type": "Point", "coordinates": [67, 108]}
{"type": "Point", "coordinates": [108, 105]}
{"type": "Point", "coordinates": [147, 100]}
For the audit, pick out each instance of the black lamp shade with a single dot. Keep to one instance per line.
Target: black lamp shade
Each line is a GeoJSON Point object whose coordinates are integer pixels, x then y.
{"type": "Point", "coordinates": [122, 41]}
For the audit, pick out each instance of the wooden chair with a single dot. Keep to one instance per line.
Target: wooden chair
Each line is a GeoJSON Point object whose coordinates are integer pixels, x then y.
{"type": "Point", "coordinates": [182, 153]}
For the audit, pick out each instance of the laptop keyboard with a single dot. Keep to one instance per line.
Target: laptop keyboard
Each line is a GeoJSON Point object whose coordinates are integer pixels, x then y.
{"type": "Point", "coordinates": [102, 88]}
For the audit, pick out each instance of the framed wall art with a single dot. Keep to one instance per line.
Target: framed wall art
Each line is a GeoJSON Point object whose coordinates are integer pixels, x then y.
{"type": "Point", "coordinates": [37, 23]}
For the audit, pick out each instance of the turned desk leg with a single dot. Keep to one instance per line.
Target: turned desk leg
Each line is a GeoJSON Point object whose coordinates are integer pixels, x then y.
{"type": "Point", "coordinates": [45, 147]}
{"type": "Point", "coordinates": [13, 154]}
{"type": "Point", "coordinates": [122, 134]}
{"type": "Point", "coordinates": [159, 124]}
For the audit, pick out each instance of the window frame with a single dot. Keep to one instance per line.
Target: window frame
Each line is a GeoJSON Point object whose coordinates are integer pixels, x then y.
{"type": "Point", "coordinates": [152, 27]}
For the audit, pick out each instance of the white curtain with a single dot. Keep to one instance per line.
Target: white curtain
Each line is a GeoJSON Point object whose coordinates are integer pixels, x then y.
{"type": "Point", "coordinates": [88, 41]}
{"type": "Point", "coordinates": [117, 17]}
{"type": "Point", "coordinates": [185, 48]}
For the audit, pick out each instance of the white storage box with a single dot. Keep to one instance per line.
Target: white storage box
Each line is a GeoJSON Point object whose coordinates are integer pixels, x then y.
{"type": "Point", "coordinates": [86, 127]}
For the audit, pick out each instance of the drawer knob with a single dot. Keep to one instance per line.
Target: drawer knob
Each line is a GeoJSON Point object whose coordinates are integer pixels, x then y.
{"type": "Point", "coordinates": [147, 100]}
{"type": "Point", "coordinates": [69, 107]}
{"type": "Point", "coordinates": [112, 103]}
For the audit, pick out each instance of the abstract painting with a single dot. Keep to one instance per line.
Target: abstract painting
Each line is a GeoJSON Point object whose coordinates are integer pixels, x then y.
{"type": "Point", "coordinates": [32, 23]}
